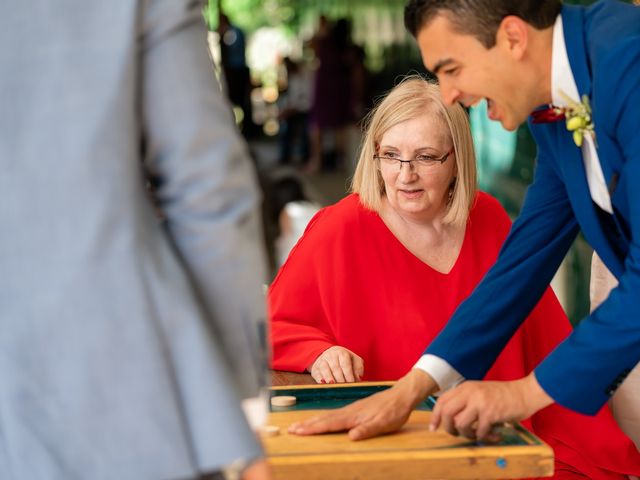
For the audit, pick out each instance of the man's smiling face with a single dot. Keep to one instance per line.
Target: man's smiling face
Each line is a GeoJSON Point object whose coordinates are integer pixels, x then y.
{"type": "Point", "coordinates": [469, 72]}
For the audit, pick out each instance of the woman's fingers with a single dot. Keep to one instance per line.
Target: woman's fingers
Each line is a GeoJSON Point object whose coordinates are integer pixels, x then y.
{"type": "Point", "coordinates": [336, 367]}
{"type": "Point", "coordinates": [358, 367]}
{"type": "Point", "coordinates": [344, 359]}
{"type": "Point", "coordinates": [321, 371]}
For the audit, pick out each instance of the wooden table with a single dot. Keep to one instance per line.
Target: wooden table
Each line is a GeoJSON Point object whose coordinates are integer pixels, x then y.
{"type": "Point", "coordinates": [413, 453]}
{"type": "Point", "coordinates": [280, 378]}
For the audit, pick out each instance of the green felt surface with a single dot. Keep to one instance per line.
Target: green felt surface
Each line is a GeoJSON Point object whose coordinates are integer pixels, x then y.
{"type": "Point", "coordinates": [331, 398]}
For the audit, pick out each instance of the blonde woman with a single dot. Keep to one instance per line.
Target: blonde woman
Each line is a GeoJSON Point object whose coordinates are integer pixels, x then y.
{"type": "Point", "coordinates": [377, 276]}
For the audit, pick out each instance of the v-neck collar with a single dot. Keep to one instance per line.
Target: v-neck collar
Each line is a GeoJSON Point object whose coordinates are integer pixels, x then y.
{"type": "Point", "coordinates": [463, 248]}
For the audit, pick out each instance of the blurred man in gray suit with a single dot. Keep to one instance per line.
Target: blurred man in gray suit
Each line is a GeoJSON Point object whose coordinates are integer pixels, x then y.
{"type": "Point", "coordinates": [121, 337]}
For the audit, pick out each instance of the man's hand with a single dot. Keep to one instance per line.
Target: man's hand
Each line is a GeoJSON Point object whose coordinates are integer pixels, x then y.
{"type": "Point", "coordinates": [381, 413]}
{"type": "Point", "coordinates": [473, 407]}
{"type": "Point", "coordinates": [337, 365]}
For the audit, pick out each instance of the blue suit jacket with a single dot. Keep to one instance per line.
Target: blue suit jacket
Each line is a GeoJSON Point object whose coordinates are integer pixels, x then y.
{"type": "Point", "coordinates": [603, 44]}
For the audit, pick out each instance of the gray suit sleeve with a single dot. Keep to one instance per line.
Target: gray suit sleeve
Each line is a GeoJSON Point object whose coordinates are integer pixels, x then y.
{"type": "Point", "coordinates": [207, 184]}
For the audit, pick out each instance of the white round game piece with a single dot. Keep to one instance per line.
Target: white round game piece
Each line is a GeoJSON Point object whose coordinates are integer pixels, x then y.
{"type": "Point", "coordinates": [270, 430]}
{"type": "Point", "coordinates": [283, 401]}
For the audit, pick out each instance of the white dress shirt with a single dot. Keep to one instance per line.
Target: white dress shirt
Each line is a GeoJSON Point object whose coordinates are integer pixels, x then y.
{"type": "Point", "coordinates": [562, 81]}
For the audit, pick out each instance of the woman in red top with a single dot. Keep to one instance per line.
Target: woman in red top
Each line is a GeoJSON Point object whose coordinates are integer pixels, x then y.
{"type": "Point", "coordinates": [376, 276]}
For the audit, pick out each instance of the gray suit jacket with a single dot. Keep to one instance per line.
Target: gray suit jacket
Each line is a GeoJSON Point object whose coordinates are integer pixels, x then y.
{"type": "Point", "coordinates": [116, 331]}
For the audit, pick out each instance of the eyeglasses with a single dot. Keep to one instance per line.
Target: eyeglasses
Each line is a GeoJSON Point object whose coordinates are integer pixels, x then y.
{"type": "Point", "coordinates": [422, 161]}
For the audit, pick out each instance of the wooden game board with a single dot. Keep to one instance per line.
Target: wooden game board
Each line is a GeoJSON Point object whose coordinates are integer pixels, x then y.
{"type": "Point", "coordinates": [413, 453]}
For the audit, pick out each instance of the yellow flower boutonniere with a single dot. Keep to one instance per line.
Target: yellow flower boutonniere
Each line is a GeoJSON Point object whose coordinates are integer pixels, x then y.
{"type": "Point", "coordinates": [578, 118]}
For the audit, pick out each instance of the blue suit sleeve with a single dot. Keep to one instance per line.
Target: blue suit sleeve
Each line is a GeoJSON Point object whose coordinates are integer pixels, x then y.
{"type": "Point", "coordinates": [531, 254]}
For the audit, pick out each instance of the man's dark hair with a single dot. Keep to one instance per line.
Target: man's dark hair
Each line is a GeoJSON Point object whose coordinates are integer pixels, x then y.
{"type": "Point", "coordinates": [480, 18]}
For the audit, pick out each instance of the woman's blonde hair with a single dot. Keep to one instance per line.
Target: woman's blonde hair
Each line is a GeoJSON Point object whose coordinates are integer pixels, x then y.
{"type": "Point", "coordinates": [412, 97]}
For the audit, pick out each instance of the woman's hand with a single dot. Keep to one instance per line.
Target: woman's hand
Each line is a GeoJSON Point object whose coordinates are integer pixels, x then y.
{"type": "Point", "coordinates": [337, 365]}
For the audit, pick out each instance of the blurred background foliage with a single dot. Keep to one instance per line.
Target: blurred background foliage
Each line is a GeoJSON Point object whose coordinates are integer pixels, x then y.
{"type": "Point", "coordinates": [290, 14]}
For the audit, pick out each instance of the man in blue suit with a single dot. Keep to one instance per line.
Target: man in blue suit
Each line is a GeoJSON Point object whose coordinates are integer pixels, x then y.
{"type": "Point", "coordinates": [519, 55]}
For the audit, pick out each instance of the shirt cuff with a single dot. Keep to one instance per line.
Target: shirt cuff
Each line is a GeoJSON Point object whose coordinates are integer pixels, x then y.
{"type": "Point", "coordinates": [444, 374]}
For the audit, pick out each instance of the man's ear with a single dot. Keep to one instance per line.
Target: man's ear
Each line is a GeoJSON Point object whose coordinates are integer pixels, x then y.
{"type": "Point", "coordinates": [513, 36]}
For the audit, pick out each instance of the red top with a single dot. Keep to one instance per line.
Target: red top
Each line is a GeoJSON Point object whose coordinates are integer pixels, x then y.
{"type": "Point", "coordinates": [350, 282]}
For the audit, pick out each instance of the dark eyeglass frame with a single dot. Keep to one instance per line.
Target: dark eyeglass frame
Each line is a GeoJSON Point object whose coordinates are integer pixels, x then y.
{"type": "Point", "coordinates": [430, 162]}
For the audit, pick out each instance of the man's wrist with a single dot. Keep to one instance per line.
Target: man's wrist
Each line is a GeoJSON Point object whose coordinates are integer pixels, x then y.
{"type": "Point", "coordinates": [417, 385]}
{"type": "Point", "coordinates": [534, 396]}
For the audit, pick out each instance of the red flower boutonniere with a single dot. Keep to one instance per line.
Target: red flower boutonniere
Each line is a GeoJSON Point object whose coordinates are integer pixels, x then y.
{"type": "Point", "coordinates": [548, 115]}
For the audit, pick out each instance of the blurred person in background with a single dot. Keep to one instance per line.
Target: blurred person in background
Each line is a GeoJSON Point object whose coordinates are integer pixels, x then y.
{"type": "Point", "coordinates": [331, 107]}
{"type": "Point", "coordinates": [293, 114]}
{"type": "Point", "coordinates": [237, 76]}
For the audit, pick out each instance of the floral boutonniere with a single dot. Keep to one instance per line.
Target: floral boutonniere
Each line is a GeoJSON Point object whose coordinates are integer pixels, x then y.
{"type": "Point", "coordinates": [579, 120]}
{"type": "Point", "coordinates": [577, 116]}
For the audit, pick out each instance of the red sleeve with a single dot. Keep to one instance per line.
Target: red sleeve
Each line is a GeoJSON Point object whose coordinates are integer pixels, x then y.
{"type": "Point", "coordinates": [299, 328]}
